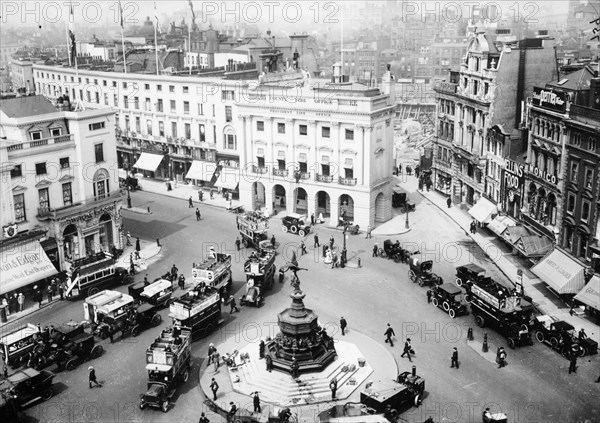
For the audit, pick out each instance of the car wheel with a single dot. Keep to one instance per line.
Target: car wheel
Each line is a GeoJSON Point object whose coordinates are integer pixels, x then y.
{"type": "Point", "coordinates": [554, 342]}
{"type": "Point", "coordinates": [284, 228]}
{"type": "Point", "coordinates": [539, 336]}
{"type": "Point", "coordinates": [156, 319]}
{"type": "Point", "coordinates": [93, 291]}
{"type": "Point", "coordinates": [293, 229]}
{"type": "Point", "coordinates": [245, 242]}
{"type": "Point", "coordinates": [185, 376]}
{"type": "Point", "coordinates": [301, 232]}
{"type": "Point", "coordinates": [435, 302]}
{"type": "Point", "coordinates": [446, 306]}
{"type": "Point", "coordinates": [459, 281]}
{"type": "Point", "coordinates": [47, 394]}
{"type": "Point", "coordinates": [135, 331]}
{"type": "Point", "coordinates": [467, 298]}
{"type": "Point", "coordinates": [210, 327]}
{"type": "Point", "coordinates": [164, 406]}
{"type": "Point", "coordinates": [417, 400]}
{"type": "Point", "coordinates": [582, 351]}
{"type": "Point", "coordinates": [480, 321]}
{"type": "Point", "coordinates": [71, 364]}
{"type": "Point", "coordinates": [420, 282]}
{"type": "Point", "coordinates": [511, 343]}
{"type": "Point", "coordinates": [97, 351]}
{"type": "Point", "coordinates": [452, 313]}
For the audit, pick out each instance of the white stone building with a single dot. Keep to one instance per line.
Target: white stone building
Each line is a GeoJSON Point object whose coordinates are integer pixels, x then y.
{"type": "Point", "coordinates": [59, 180]}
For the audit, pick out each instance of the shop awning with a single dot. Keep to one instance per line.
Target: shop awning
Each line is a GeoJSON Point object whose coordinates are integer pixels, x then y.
{"type": "Point", "coordinates": [513, 233]}
{"type": "Point", "coordinates": [201, 170]}
{"type": "Point", "coordinates": [560, 272]}
{"type": "Point", "coordinates": [23, 265]}
{"type": "Point", "coordinates": [148, 162]}
{"type": "Point", "coordinates": [483, 210]}
{"type": "Point", "coordinates": [500, 224]}
{"type": "Point", "coordinates": [590, 295]}
{"type": "Point", "coordinates": [228, 179]}
{"type": "Point", "coordinates": [533, 245]}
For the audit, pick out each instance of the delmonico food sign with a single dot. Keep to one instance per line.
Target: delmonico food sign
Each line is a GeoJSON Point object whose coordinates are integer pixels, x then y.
{"type": "Point", "coordinates": [513, 174]}
{"type": "Point", "coordinates": [549, 99]}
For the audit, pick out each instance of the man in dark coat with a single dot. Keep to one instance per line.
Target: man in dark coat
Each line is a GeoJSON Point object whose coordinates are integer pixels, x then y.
{"type": "Point", "coordinates": [214, 387]}
{"type": "Point", "coordinates": [190, 203]}
{"type": "Point", "coordinates": [333, 386]}
{"type": "Point", "coordinates": [449, 202]}
{"type": "Point", "coordinates": [343, 325]}
{"type": "Point", "coordinates": [407, 348]}
{"type": "Point", "coordinates": [269, 362]}
{"type": "Point", "coordinates": [389, 332]}
{"type": "Point", "coordinates": [273, 241]}
{"type": "Point", "coordinates": [375, 250]}
{"type": "Point", "coordinates": [92, 377]}
{"type": "Point", "coordinates": [233, 305]}
{"type": "Point", "coordinates": [317, 241]}
{"type": "Point", "coordinates": [137, 245]}
{"type": "Point", "coordinates": [238, 243]}
{"type": "Point", "coordinates": [294, 368]}
{"type": "Point", "coordinates": [261, 349]}
{"type": "Point", "coordinates": [454, 358]}
{"type": "Point", "coordinates": [256, 403]}
{"type": "Point", "coordinates": [174, 271]}
{"type": "Point", "coordinates": [573, 363]}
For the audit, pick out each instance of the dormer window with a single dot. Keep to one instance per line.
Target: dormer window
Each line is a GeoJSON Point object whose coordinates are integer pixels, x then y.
{"type": "Point", "coordinates": [56, 132]}
{"type": "Point", "coordinates": [35, 135]}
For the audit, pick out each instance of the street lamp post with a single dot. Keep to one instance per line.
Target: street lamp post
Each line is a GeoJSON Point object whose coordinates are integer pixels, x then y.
{"type": "Point", "coordinates": [344, 251]}
{"type": "Point", "coordinates": [128, 196]}
{"type": "Point", "coordinates": [406, 223]}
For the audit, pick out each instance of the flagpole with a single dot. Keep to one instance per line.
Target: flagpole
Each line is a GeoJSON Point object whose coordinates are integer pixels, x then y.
{"type": "Point", "coordinates": [156, 49]}
{"type": "Point", "coordinates": [122, 36]}
{"type": "Point", "coordinates": [190, 50]}
{"type": "Point", "coordinates": [68, 44]}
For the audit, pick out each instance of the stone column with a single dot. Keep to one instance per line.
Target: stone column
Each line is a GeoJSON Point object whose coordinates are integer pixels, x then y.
{"type": "Point", "coordinates": [290, 202]}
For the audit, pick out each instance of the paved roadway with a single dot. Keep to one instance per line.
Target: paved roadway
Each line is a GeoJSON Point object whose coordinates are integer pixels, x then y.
{"type": "Point", "coordinates": [534, 387]}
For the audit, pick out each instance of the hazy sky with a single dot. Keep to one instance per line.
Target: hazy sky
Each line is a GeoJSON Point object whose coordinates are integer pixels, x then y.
{"type": "Point", "coordinates": [290, 16]}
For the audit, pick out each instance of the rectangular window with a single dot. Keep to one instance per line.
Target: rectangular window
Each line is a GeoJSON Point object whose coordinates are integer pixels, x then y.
{"type": "Point", "coordinates": [173, 106]}
{"type": "Point", "coordinates": [64, 163]}
{"type": "Point", "coordinates": [146, 87]}
{"type": "Point", "coordinates": [174, 129]}
{"type": "Point", "coordinates": [67, 194]}
{"type": "Point", "coordinates": [186, 107]}
{"type": "Point", "coordinates": [303, 167]}
{"type": "Point", "coordinates": [19, 202]}
{"type": "Point", "coordinates": [171, 88]}
{"type": "Point", "coordinates": [188, 131]}
{"type": "Point", "coordinates": [230, 142]}
{"type": "Point", "coordinates": [185, 90]}
{"type": "Point", "coordinates": [574, 171]}
{"type": "Point", "coordinates": [147, 105]}
{"type": "Point", "coordinates": [200, 109]}
{"type": "Point", "coordinates": [349, 134]}
{"type": "Point", "coordinates": [161, 128]}
{"type": "Point", "coordinates": [138, 124]}
{"type": "Point", "coordinates": [281, 128]}
{"type": "Point", "coordinates": [281, 164]}
{"type": "Point", "coordinates": [44, 199]}
{"type": "Point", "coordinates": [16, 171]}
{"type": "Point", "coordinates": [115, 100]}
{"type": "Point", "coordinates": [260, 125]}
{"type": "Point", "coordinates": [585, 210]}
{"type": "Point", "coordinates": [213, 110]}
{"type": "Point", "coordinates": [114, 83]}
{"type": "Point", "coordinates": [106, 99]}
{"type": "Point", "coordinates": [325, 131]}
{"type": "Point", "coordinates": [125, 85]}
{"type": "Point", "coordinates": [202, 132]}
{"type": "Point", "coordinates": [136, 103]}
{"type": "Point", "coordinates": [303, 129]}
{"type": "Point", "coordinates": [589, 178]}
{"type": "Point", "coordinates": [56, 132]}
{"type": "Point", "coordinates": [149, 127]}
{"type": "Point", "coordinates": [159, 105]}
{"type": "Point", "coordinates": [96, 125]}
{"type": "Point", "coordinates": [227, 95]}
{"type": "Point", "coordinates": [325, 169]}
{"type": "Point", "coordinates": [159, 87]}
{"type": "Point", "coordinates": [99, 152]}
{"type": "Point", "coordinates": [228, 115]}
{"type": "Point", "coordinates": [97, 95]}
{"type": "Point", "coordinates": [35, 135]}
{"type": "Point", "coordinates": [261, 161]}
{"type": "Point", "coordinates": [571, 203]}
{"type": "Point", "coordinates": [348, 173]}
{"type": "Point", "coordinates": [125, 101]}
{"type": "Point", "coordinates": [40, 168]}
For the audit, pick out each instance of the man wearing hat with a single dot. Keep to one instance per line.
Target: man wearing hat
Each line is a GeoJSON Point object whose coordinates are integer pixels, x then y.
{"type": "Point", "coordinates": [211, 351]}
{"type": "Point", "coordinates": [407, 348]}
{"type": "Point", "coordinates": [92, 377]}
{"type": "Point", "coordinates": [232, 411]}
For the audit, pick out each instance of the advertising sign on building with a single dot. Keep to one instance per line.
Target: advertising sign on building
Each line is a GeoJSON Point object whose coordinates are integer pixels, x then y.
{"type": "Point", "coordinates": [513, 175]}
{"type": "Point", "coordinates": [549, 99]}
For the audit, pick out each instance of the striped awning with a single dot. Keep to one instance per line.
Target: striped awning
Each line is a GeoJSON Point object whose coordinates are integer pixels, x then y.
{"type": "Point", "coordinates": [590, 295]}
{"type": "Point", "coordinates": [533, 245]}
{"type": "Point", "coordinates": [560, 272]}
{"type": "Point", "coordinates": [201, 170]}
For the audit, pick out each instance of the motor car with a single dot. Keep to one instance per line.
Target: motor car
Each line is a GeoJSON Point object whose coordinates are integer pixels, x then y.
{"type": "Point", "coordinates": [447, 297]}
{"type": "Point", "coordinates": [28, 385]}
{"type": "Point", "coordinates": [468, 272]}
{"type": "Point", "coordinates": [81, 349]}
{"type": "Point", "coordinates": [561, 336]}
{"type": "Point", "coordinates": [15, 346]}
{"type": "Point", "coordinates": [421, 272]}
{"type": "Point", "coordinates": [296, 224]}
